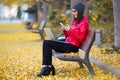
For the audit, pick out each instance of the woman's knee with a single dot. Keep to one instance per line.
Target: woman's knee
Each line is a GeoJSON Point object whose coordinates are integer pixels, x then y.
{"type": "Point", "coordinates": [46, 42]}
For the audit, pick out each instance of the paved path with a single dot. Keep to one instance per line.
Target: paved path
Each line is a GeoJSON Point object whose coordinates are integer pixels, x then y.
{"type": "Point", "coordinates": [8, 21]}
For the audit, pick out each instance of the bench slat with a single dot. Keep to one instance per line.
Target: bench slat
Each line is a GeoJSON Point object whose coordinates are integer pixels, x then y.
{"type": "Point", "coordinates": [87, 41]}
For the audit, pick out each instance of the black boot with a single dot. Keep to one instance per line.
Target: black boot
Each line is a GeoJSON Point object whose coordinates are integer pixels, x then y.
{"type": "Point", "coordinates": [45, 71]}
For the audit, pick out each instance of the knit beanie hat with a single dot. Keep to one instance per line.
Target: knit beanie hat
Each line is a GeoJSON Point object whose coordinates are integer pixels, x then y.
{"type": "Point", "coordinates": [79, 7]}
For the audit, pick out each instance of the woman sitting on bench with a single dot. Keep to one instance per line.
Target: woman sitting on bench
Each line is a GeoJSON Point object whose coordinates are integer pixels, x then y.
{"type": "Point", "coordinates": [75, 35]}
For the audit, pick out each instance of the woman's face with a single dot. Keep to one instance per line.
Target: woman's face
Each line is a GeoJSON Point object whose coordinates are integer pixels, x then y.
{"type": "Point", "coordinates": [75, 13]}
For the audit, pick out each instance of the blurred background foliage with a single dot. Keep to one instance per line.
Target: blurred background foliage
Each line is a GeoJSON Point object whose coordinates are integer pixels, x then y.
{"type": "Point", "coordinates": [101, 10]}
{"type": "Point", "coordinates": [100, 17]}
{"type": "Point", "coordinates": [55, 18]}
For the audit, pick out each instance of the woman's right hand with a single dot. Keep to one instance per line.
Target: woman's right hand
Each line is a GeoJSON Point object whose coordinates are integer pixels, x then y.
{"type": "Point", "coordinates": [65, 27]}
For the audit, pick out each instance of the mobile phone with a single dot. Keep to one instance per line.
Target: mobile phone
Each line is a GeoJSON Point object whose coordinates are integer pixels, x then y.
{"type": "Point", "coordinates": [61, 24]}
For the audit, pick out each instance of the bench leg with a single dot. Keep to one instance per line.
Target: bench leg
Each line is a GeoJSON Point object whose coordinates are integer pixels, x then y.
{"type": "Point", "coordinates": [41, 34]}
{"type": "Point", "coordinates": [87, 63]}
{"type": "Point", "coordinates": [80, 64]}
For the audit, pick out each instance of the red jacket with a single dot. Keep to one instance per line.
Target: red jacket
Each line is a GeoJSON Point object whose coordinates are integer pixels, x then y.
{"type": "Point", "coordinates": [77, 32]}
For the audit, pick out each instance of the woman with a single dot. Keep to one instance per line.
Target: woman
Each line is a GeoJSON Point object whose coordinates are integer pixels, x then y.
{"type": "Point", "coordinates": [74, 36]}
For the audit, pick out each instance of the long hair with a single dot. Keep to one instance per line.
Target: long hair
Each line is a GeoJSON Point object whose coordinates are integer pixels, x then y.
{"type": "Point", "coordinates": [79, 17]}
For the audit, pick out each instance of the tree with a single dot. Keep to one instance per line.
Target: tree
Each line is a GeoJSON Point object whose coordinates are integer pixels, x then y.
{"type": "Point", "coordinates": [116, 10]}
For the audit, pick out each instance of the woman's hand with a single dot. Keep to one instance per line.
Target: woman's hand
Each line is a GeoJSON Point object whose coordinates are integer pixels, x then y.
{"type": "Point", "coordinates": [66, 27]}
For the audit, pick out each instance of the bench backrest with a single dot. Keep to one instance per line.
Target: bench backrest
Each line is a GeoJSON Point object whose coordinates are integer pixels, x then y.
{"type": "Point", "coordinates": [90, 37]}
{"type": "Point", "coordinates": [49, 33]}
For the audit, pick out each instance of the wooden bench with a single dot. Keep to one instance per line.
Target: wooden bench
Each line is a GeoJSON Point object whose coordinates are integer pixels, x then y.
{"type": "Point", "coordinates": [41, 29]}
{"type": "Point", "coordinates": [49, 33]}
{"type": "Point", "coordinates": [85, 46]}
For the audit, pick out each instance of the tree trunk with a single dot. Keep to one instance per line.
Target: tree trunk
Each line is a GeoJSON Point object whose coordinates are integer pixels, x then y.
{"type": "Point", "coordinates": [45, 10]}
{"type": "Point", "coordinates": [60, 6]}
{"type": "Point", "coordinates": [39, 12]}
{"type": "Point", "coordinates": [116, 10]}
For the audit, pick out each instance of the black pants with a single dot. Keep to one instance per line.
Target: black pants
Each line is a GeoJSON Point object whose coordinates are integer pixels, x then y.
{"type": "Point", "coordinates": [49, 45]}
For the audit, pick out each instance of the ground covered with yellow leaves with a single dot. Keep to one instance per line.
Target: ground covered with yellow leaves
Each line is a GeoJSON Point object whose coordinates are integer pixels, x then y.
{"type": "Point", "coordinates": [21, 57]}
